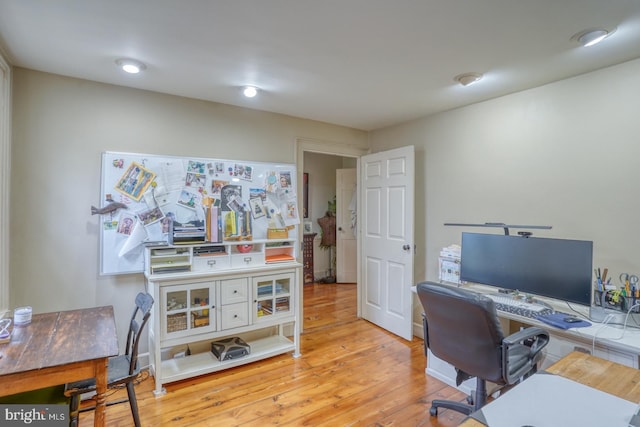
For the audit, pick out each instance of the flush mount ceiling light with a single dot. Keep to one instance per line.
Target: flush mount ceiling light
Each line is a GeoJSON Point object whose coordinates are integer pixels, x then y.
{"type": "Point", "coordinates": [467, 79]}
{"type": "Point", "coordinates": [130, 66]}
{"type": "Point", "coordinates": [249, 91]}
{"type": "Point", "coordinates": [592, 36]}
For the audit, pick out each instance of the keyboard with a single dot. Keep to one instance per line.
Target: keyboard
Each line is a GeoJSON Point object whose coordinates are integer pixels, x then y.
{"type": "Point", "coordinates": [520, 308]}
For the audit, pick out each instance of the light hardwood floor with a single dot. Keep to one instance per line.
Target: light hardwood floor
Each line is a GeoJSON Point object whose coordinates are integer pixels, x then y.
{"type": "Point", "coordinates": [351, 373]}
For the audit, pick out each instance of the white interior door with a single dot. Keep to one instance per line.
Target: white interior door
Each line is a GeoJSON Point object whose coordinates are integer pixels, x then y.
{"type": "Point", "coordinates": [346, 223]}
{"type": "Point", "coordinates": [387, 181]}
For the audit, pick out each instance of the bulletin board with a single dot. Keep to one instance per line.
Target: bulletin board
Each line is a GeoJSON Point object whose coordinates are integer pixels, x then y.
{"type": "Point", "coordinates": [144, 197]}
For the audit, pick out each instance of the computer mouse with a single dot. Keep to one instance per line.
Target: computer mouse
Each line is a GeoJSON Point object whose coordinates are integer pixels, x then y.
{"type": "Point", "coordinates": [571, 319]}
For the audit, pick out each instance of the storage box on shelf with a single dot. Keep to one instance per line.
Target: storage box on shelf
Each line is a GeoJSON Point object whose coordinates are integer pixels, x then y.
{"type": "Point", "coordinates": [246, 289]}
{"type": "Point", "coordinates": [169, 260]}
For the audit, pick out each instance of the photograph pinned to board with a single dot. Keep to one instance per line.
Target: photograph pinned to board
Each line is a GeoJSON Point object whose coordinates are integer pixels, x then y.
{"type": "Point", "coordinates": [215, 168]}
{"type": "Point", "coordinates": [285, 179]}
{"type": "Point", "coordinates": [110, 224]}
{"type": "Point", "coordinates": [135, 181]}
{"type": "Point", "coordinates": [189, 199]}
{"type": "Point", "coordinates": [291, 213]}
{"type": "Point", "coordinates": [228, 194]}
{"type": "Point", "coordinates": [126, 223]}
{"type": "Point", "coordinates": [151, 216]}
{"type": "Point", "coordinates": [271, 181]}
{"type": "Point", "coordinates": [216, 188]}
{"type": "Point", "coordinates": [166, 222]}
{"type": "Point", "coordinates": [243, 172]}
{"type": "Point", "coordinates": [235, 204]}
{"type": "Point", "coordinates": [195, 180]}
{"type": "Point", "coordinates": [257, 208]}
{"type": "Point", "coordinates": [195, 166]}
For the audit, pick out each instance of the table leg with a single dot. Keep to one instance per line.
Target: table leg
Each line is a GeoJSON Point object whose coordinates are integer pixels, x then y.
{"type": "Point", "coordinates": [101, 390]}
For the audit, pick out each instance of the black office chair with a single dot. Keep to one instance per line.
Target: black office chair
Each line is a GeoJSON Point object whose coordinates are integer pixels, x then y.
{"type": "Point", "coordinates": [122, 369]}
{"type": "Point", "coordinates": [462, 328]}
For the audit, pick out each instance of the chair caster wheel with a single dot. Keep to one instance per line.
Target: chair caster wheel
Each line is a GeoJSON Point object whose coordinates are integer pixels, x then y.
{"type": "Point", "coordinates": [433, 411]}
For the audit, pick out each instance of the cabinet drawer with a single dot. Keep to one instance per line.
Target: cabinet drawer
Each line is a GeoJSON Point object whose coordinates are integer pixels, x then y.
{"type": "Point", "coordinates": [247, 260]}
{"type": "Point", "coordinates": [211, 263]}
{"type": "Point", "coordinates": [235, 315]}
{"type": "Point", "coordinates": [234, 291]}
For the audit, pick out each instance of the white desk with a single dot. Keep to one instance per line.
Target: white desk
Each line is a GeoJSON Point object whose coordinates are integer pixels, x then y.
{"type": "Point", "coordinates": [610, 342]}
{"type": "Point", "coordinates": [620, 382]}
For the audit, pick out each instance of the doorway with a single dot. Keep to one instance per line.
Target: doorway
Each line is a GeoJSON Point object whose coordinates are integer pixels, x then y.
{"type": "Point", "coordinates": [325, 214]}
{"type": "Point", "coordinates": [340, 156]}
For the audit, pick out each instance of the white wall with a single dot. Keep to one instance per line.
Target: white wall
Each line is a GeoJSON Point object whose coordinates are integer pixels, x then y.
{"type": "Point", "coordinates": [60, 128]}
{"type": "Point", "coordinates": [565, 154]}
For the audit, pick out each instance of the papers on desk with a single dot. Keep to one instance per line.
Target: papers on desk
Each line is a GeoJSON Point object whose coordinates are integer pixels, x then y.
{"type": "Point", "coordinates": [546, 400]}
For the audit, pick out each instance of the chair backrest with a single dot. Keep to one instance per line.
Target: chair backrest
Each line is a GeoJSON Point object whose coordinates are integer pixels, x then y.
{"type": "Point", "coordinates": [463, 329]}
{"type": "Point", "coordinates": [139, 319]}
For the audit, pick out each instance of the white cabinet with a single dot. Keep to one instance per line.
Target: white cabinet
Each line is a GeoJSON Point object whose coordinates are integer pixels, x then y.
{"type": "Point", "coordinates": [234, 303]}
{"type": "Point", "coordinates": [220, 295]}
{"type": "Point", "coordinates": [187, 309]}
{"type": "Point", "coordinates": [273, 296]}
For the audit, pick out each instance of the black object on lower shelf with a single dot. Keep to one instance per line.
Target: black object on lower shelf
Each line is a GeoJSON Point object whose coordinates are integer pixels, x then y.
{"type": "Point", "coordinates": [230, 348]}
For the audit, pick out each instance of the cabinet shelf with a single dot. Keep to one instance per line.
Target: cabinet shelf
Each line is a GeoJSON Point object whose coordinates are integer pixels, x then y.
{"type": "Point", "coordinates": [206, 362]}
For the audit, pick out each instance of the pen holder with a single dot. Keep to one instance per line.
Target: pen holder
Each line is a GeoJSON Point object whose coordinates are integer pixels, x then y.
{"type": "Point", "coordinates": [610, 299]}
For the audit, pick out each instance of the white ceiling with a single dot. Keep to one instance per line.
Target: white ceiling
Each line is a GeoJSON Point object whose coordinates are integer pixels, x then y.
{"type": "Point", "coordinates": [365, 64]}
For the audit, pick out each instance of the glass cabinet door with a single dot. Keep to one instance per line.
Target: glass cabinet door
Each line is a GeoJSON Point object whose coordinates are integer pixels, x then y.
{"type": "Point", "coordinates": [272, 296]}
{"type": "Point", "coordinates": [188, 309]}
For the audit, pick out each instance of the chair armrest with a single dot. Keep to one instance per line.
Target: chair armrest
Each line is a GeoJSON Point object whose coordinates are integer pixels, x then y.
{"type": "Point", "coordinates": [521, 353]}
{"type": "Point", "coordinates": [537, 336]}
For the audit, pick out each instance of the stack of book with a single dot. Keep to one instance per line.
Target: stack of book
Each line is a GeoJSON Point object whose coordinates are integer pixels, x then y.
{"type": "Point", "coordinates": [214, 222]}
{"type": "Point", "coordinates": [282, 304]}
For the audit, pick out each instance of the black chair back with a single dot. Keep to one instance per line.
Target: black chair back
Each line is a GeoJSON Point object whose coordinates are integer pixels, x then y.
{"type": "Point", "coordinates": [139, 319]}
{"type": "Point", "coordinates": [463, 329]}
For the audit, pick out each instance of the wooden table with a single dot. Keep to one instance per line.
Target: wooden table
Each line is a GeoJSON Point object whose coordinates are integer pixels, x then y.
{"type": "Point", "coordinates": [610, 377]}
{"type": "Point", "coordinates": [58, 348]}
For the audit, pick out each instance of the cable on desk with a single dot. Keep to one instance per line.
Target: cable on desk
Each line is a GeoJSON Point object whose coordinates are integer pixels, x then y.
{"type": "Point", "coordinates": [606, 321]}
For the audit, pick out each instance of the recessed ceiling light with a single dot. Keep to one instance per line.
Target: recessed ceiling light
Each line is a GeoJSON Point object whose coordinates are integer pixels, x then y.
{"type": "Point", "coordinates": [250, 91]}
{"type": "Point", "coordinates": [592, 36]}
{"type": "Point", "coordinates": [467, 79]}
{"type": "Point", "coordinates": [130, 66]}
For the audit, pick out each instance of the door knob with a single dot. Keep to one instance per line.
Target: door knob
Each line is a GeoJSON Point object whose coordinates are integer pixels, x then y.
{"type": "Point", "coordinates": [406, 247]}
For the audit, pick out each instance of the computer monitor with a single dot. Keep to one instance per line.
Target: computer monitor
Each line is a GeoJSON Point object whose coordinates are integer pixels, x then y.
{"type": "Point", "coordinates": [554, 268]}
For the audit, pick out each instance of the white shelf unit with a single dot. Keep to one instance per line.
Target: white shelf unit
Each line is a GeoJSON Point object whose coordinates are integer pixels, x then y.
{"type": "Point", "coordinates": [222, 299]}
{"type": "Point", "coordinates": [232, 255]}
